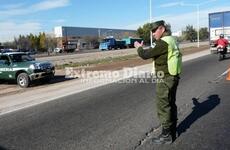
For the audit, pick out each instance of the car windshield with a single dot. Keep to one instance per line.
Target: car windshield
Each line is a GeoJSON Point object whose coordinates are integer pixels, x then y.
{"type": "Point", "coordinates": [106, 40]}
{"type": "Point", "coordinates": [20, 57]}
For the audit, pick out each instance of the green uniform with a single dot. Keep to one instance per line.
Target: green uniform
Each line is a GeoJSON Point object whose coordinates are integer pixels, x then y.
{"type": "Point", "coordinates": [167, 58]}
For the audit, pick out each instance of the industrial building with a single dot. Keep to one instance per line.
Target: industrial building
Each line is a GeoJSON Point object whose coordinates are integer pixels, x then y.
{"type": "Point", "coordinates": [85, 38]}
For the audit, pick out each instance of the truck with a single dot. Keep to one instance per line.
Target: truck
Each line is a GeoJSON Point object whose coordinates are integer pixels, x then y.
{"type": "Point", "coordinates": [219, 23]}
{"type": "Point", "coordinates": [129, 42]}
{"type": "Point", "coordinates": [111, 43]}
{"type": "Point", "coordinates": [70, 46]}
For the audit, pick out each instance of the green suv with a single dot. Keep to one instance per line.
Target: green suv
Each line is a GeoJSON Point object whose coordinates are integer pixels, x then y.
{"type": "Point", "coordinates": [20, 66]}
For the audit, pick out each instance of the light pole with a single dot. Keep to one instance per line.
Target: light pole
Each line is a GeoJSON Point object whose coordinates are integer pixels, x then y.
{"type": "Point", "coordinates": [198, 24]}
{"type": "Point", "coordinates": [99, 33]}
{"type": "Point", "coordinates": [198, 17]}
{"type": "Point", "coordinates": [151, 35]}
{"type": "Point", "coordinates": [150, 21]}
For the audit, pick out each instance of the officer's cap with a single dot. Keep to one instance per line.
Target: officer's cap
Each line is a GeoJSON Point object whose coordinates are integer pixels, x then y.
{"type": "Point", "coordinates": [156, 24]}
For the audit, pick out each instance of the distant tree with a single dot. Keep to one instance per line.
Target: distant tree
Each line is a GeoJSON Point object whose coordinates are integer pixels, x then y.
{"type": "Point", "coordinates": [190, 33]}
{"type": "Point", "coordinates": [10, 45]}
{"type": "Point", "coordinates": [180, 38]}
{"type": "Point", "coordinates": [32, 41]}
{"type": "Point", "coordinates": [16, 42]}
{"type": "Point", "coordinates": [126, 34]}
{"type": "Point", "coordinates": [92, 41]}
{"type": "Point", "coordinates": [24, 43]}
{"type": "Point", "coordinates": [50, 43]}
{"type": "Point", "coordinates": [144, 32]}
{"type": "Point", "coordinates": [42, 42]}
{"type": "Point", "coordinates": [204, 34]}
{"type": "Point", "coordinates": [37, 43]}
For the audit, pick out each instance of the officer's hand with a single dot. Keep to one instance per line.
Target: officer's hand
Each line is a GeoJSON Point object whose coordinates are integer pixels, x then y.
{"type": "Point", "coordinates": [137, 44]}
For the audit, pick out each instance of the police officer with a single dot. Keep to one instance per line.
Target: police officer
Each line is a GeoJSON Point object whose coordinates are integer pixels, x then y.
{"type": "Point", "coordinates": [167, 57]}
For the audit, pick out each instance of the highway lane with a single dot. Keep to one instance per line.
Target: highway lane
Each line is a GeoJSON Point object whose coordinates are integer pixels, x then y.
{"type": "Point", "coordinates": [115, 116]}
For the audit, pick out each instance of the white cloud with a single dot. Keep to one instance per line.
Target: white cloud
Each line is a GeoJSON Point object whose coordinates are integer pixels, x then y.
{"type": "Point", "coordinates": [170, 4]}
{"type": "Point", "coordinates": [12, 6]}
{"type": "Point", "coordinates": [179, 22]}
{"type": "Point", "coordinates": [13, 12]}
{"type": "Point", "coordinates": [49, 4]}
{"type": "Point", "coordinates": [21, 9]}
{"type": "Point", "coordinates": [9, 30]}
{"type": "Point", "coordinates": [59, 21]}
{"type": "Point", "coordinates": [135, 25]}
{"type": "Point", "coordinates": [182, 3]}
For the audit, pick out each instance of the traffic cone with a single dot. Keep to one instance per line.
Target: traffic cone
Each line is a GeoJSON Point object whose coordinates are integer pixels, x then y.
{"type": "Point", "coordinates": [228, 75]}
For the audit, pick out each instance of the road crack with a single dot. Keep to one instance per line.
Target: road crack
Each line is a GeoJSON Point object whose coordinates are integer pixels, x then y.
{"type": "Point", "coordinates": [148, 135]}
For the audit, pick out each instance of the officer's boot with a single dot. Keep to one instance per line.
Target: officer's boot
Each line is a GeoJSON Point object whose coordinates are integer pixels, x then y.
{"type": "Point", "coordinates": [164, 138]}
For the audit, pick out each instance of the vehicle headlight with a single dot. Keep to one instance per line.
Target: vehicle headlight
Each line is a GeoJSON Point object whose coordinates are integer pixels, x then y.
{"type": "Point", "coordinates": [34, 66]}
{"type": "Point", "coordinates": [37, 66]}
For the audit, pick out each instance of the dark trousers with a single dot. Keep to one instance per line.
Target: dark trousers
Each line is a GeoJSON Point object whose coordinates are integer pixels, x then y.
{"type": "Point", "coordinates": [166, 101]}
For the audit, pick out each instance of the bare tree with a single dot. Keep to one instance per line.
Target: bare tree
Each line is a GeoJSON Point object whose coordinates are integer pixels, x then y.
{"type": "Point", "coordinates": [50, 43]}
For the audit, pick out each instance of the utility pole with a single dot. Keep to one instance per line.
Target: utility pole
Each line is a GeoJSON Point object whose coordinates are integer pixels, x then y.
{"type": "Point", "coordinates": [198, 16]}
{"type": "Point", "coordinates": [150, 21]}
{"type": "Point", "coordinates": [198, 25]}
{"type": "Point", "coordinates": [99, 33]}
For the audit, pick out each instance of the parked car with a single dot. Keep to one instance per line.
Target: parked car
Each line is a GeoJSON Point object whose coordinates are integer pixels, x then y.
{"type": "Point", "coordinates": [58, 50]}
{"type": "Point", "coordinates": [20, 66]}
{"type": "Point", "coordinates": [31, 51]}
{"type": "Point", "coordinates": [6, 50]}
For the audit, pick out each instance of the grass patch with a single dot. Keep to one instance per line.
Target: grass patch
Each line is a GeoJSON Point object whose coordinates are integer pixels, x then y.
{"type": "Point", "coordinates": [95, 62]}
{"type": "Point", "coordinates": [109, 60]}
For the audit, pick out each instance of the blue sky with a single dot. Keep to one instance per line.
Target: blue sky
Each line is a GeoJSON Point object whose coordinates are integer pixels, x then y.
{"type": "Point", "coordinates": [34, 16]}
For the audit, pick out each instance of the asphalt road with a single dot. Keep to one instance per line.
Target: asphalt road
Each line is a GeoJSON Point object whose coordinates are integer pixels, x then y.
{"type": "Point", "coordinates": [121, 116]}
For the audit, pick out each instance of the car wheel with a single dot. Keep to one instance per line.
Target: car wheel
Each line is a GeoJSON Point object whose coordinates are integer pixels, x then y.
{"type": "Point", "coordinates": [23, 80]}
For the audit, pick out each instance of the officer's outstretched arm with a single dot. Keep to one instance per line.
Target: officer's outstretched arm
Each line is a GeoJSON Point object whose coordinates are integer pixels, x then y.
{"type": "Point", "coordinates": [160, 47]}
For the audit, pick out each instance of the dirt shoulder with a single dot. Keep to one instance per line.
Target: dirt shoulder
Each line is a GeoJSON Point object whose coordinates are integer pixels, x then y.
{"type": "Point", "coordinates": [107, 64]}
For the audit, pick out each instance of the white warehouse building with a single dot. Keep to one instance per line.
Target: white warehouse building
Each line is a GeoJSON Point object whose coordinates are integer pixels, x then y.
{"type": "Point", "coordinates": [83, 37]}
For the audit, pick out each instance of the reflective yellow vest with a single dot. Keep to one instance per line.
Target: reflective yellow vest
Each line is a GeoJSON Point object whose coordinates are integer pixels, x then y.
{"type": "Point", "coordinates": [174, 55]}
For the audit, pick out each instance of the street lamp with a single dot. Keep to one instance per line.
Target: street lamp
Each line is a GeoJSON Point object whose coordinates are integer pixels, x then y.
{"type": "Point", "coordinates": [151, 35]}
{"type": "Point", "coordinates": [150, 21]}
